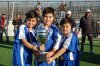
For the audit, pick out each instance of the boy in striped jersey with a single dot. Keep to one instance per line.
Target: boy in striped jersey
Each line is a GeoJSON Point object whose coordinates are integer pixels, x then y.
{"type": "Point", "coordinates": [24, 41]}
{"type": "Point", "coordinates": [54, 36]}
{"type": "Point", "coordinates": [68, 52]}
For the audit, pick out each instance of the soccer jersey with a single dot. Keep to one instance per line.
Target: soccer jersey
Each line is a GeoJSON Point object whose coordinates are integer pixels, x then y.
{"type": "Point", "coordinates": [53, 41]}
{"type": "Point", "coordinates": [71, 56]}
{"type": "Point", "coordinates": [22, 56]}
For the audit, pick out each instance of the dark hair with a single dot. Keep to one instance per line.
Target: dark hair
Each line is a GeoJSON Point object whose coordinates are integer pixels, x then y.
{"type": "Point", "coordinates": [66, 20]}
{"type": "Point", "coordinates": [3, 14]}
{"type": "Point", "coordinates": [32, 14]}
{"type": "Point", "coordinates": [48, 10]}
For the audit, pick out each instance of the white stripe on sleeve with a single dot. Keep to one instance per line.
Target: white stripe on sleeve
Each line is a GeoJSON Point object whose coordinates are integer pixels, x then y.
{"type": "Point", "coordinates": [67, 41]}
{"type": "Point", "coordinates": [21, 32]}
{"type": "Point", "coordinates": [57, 44]}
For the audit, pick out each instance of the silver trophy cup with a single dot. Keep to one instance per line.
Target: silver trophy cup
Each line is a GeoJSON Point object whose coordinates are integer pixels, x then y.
{"type": "Point", "coordinates": [42, 35]}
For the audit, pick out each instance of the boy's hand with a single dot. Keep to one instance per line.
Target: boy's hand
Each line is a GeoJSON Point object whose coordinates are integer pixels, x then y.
{"type": "Point", "coordinates": [49, 54]}
{"type": "Point", "coordinates": [42, 47]}
{"type": "Point", "coordinates": [34, 48]}
{"type": "Point", "coordinates": [49, 60]}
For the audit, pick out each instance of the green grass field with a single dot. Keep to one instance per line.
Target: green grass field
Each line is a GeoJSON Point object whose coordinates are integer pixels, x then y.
{"type": "Point", "coordinates": [86, 59]}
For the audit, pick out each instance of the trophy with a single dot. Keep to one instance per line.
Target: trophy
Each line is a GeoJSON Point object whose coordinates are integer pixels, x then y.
{"type": "Point", "coordinates": [42, 35]}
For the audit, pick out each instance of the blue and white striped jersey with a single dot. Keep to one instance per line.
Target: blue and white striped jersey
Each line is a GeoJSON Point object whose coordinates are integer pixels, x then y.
{"type": "Point", "coordinates": [22, 56]}
{"type": "Point", "coordinates": [53, 41]}
{"type": "Point", "coordinates": [71, 43]}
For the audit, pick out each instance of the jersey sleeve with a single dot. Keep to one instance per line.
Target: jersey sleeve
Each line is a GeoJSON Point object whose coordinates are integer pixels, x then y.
{"type": "Point", "coordinates": [22, 32]}
{"type": "Point", "coordinates": [67, 41]}
{"type": "Point", "coordinates": [57, 38]}
{"type": "Point", "coordinates": [57, 43]}
{"type": "Point", "coordinates": [72, 43]}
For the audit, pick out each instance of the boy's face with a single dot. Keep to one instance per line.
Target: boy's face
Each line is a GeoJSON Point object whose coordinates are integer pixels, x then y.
{"type": "Point", "coordinates": [65, 28]}
{"type": "Point", "coordinates": [48, 19]}
{"type": "Point", "coordinates": [31, 22]}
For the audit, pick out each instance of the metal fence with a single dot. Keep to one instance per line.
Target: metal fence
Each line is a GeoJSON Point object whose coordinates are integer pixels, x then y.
{"type": "Point", "coordinates": [10, 8]}
{"type": "Point", "coordinates": [77, 7]}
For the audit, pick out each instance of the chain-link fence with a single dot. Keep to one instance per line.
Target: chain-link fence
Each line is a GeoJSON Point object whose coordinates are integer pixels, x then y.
{"type": "Point", "coordinates": [11, 8]}
{"type": "Point", "coordinates": [77, 7]}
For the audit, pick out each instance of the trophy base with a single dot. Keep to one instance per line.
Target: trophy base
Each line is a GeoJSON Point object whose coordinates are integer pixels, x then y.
{"type": "Point", "coordinates": [42, 56]}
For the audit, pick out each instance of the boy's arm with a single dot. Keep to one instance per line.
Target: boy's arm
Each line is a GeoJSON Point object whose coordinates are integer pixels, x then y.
{"type": "Point", "coordinates": [23, 39]}
{"type": "Point", "coordinates": [62, 50]}
{"type": "Point", "coordinates": [28, 45]}
{"type": "Point", "coordinates": [56, 46]}
{"type": "Point", "coordinates": [59, 53]}
{"type": "Point", "coordinates": [49, 54]}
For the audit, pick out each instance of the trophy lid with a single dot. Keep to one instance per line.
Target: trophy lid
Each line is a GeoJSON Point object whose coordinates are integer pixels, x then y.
{"type": "Point", "coordinates": [41, 28]}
